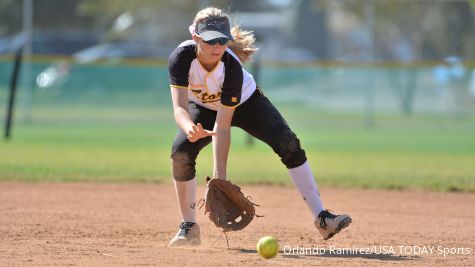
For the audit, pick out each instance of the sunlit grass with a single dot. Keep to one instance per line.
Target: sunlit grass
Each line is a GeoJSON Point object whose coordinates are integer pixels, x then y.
{"type": "Point", "coordinates": [341, 155]}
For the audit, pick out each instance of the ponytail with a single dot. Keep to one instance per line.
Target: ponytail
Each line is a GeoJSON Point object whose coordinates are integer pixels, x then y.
{"type": "Point", "coordinates": [243, 44]}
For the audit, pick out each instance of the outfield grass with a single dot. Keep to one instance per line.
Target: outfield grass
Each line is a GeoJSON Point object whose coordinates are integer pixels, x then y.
{"type": "Point", "coordinates": [133, 145]}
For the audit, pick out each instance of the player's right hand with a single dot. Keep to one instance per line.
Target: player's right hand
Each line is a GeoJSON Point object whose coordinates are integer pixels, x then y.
{"type": "Point", "coordinates": [197, 132]}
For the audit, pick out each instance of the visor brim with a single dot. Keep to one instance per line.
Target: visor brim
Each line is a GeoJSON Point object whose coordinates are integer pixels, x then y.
{"type": "Point", "coordinates": [210, 35]}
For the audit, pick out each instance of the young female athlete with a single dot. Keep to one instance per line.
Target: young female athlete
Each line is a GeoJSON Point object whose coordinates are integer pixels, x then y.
{"type": "Point", "coordinates": [211, 92]}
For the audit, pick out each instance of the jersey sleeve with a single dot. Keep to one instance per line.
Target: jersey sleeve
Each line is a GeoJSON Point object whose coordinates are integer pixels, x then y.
{"type": "Point", "coordinates": [233, 80]}
{"type": "Point", "coordinates": [179, 64]}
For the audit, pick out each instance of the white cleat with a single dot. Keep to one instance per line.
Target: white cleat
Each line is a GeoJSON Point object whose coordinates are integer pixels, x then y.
{"type": "Point", "coordinates": [188, 235]}
{"type": "Point", "coordinates": [329, 224]}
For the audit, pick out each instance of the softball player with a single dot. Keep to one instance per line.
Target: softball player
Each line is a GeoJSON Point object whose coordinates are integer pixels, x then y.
{"type": "Point", "coordinates": [211, 92]}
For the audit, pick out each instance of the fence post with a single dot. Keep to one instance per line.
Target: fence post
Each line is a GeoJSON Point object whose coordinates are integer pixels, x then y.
{"type": "Point", "coordinates": [12, 92]}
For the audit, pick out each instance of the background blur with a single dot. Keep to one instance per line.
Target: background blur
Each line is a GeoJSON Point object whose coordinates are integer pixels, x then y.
{"type": "Point", "coordinates": [381, 93]}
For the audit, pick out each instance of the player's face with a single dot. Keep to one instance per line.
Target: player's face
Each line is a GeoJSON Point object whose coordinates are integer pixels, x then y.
{"type": "Point", "coordinates": [211, 51]}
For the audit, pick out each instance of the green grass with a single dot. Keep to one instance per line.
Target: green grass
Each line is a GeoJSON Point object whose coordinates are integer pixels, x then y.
{"type": "Point", "coordinates": [133, 145]}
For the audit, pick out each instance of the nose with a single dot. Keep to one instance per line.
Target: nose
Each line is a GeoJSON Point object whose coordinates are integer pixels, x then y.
{"type": "Point", "coordinates": [218, 48]}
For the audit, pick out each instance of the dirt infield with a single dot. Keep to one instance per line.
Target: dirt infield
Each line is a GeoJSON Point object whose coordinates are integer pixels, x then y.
{"type": "Point", "coordinates": [130, 224]}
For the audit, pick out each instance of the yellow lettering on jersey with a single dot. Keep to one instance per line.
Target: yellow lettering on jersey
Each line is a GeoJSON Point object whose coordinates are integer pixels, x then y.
{"type": "Point", "coordinates": [206, 98]}
{"type": "Point", "coordinates": [197, 92]}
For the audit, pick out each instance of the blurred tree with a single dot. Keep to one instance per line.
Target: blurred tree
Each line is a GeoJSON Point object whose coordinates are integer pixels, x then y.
{"type": "Point", "coordinates": [315, 38]}
{"type": "Point", "coordinates": [408, 31]}
{"type": "Point", "coordinates": [230, 6]}
{"type": "Point", "coordinates": [152, 20]}
{"type": "Point", "coordinates": [59, 15]}
{"type": "Point", "coordinates": [459, 27]}
{"type": "Point", "coordinates": [10, 17]}
{"type": "Point", "coordinates": [432, 29]}
{"type": "Point", "coordinates": [404, 30]}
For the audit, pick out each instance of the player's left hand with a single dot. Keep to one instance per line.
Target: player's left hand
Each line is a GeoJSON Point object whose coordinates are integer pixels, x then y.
{"type": "Point", "coordinates": [197, 132]}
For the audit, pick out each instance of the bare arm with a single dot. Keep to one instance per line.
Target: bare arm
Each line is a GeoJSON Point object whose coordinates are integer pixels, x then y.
{"type": "Point", "coordinates": [182, 115]}
{"type": "Point", "coordinates": [222, 141]}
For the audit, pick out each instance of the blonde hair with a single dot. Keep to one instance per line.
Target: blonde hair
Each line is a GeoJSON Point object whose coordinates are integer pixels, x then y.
{"type": "Point", "coordinates": [243, 44]}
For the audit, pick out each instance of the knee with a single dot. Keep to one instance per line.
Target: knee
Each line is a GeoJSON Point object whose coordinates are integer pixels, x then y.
{"type": "Point", "coordinates": [290, 151]}
{"type": "Point", "coordinates": [183, 166]}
